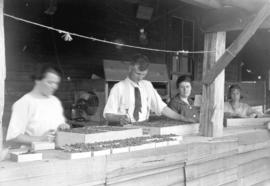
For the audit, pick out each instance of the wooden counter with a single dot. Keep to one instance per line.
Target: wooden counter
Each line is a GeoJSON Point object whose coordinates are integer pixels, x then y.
{"type": "Point", "coordinates": [240, 157]}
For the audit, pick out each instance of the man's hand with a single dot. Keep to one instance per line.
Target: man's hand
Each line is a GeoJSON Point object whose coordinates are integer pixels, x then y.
{"type": "Point", "coordinates": [48, 136]}
{"type": "Point", "coordinates": [63, 126]}
{"type": "Point", "coordinates": [124, 119]}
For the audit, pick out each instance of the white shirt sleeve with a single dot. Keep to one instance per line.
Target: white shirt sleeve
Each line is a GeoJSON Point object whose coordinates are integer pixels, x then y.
{"type": "Point", "coordinates": [18, 120]}
{"type": "Point", "coordinates": [156, 104]}
{"type": "Point", "coordinates": [112, 105]}
{"type": "Point", "coordinates": [62, 118]}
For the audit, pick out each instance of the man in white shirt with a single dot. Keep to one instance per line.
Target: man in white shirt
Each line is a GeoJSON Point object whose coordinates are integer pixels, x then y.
{"type": "Point", "coordinates": [38, 114]}
{"type": "Point", "coordinates": [123, 105]}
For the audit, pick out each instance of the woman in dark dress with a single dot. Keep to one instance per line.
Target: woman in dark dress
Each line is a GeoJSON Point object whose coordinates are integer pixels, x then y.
{"type": "Point", "coordinates": [181, 102]}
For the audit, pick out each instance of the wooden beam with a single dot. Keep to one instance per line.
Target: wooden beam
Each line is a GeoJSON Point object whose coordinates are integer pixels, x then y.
{"type": "Point", "coordinates": [235, 24]}
{"type": "Point", "coordinates": [247, 5]}
{"type": "Point", "coordinates": [237, 45]}
{"type": "Point", "coordinates": [211, 118]}
{"type": "Point", "coordinates": [2, 75]}
{"type": "Point", "coordinates": [204, 3]}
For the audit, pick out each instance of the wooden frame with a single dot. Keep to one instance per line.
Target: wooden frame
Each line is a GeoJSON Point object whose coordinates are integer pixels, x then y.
{"type": "Point", "coordinates": [67, 138]}
{"type": "Point", "coordinates": [247, 122]}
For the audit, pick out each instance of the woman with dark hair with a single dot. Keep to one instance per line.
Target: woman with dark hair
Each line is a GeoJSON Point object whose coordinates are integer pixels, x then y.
{"type": "Point", "coordinates": [181, 103]}
{"type": "Point", "coordinates": [38, 114]}
{"type": "Point", "coordinates": [234, 108]}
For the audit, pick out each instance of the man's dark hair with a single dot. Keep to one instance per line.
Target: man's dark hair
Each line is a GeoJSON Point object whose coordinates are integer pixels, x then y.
{"type": "Point", "coordinates": [42, 70]}
{"type": "Point", "coordinates": [183, 78]}
{"type": "Point", "coordinates": [141, 60]}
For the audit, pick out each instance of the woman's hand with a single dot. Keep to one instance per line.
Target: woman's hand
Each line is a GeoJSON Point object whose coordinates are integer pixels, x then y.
{"type": "Point", "coordinates": [124, 119]}
{"type": "Point", "coordinates": [253, 115]}
{"type": "Point", "coordinates": [192, 120]}
{"type": "Point", "coordinates": [63, 126]}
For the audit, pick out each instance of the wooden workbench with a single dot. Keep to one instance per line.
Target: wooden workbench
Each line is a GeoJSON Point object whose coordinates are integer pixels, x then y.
{"type": "Point", "coordinates": [240, 157]}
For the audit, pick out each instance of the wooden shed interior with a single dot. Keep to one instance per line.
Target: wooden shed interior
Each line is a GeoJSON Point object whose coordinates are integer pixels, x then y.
{"type": "Point", "coordinates": [167, 25]}
{"type": "Point", "coordinates": [218, 42]}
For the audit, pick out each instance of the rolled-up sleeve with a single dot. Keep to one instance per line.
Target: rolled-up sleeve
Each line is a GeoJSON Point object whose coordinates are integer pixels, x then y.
{"type": "Point", "coordinates": [18, 121]}
{"type": "Point", "coordinates": [112, 105]}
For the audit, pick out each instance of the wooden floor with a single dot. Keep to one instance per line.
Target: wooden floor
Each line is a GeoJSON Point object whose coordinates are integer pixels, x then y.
{"type": "Point", "coordinates": [240, 157]}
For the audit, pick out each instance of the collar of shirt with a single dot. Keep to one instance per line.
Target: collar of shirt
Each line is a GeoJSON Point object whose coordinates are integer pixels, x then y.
{"type": "Point", "coordinates": [180, 101]}
{"type": "Point", "coordinates": [132, 82]}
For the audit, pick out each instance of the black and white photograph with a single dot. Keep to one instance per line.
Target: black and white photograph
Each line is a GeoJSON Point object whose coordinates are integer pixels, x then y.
{"type": "Point", "coordinates": [134, 92]}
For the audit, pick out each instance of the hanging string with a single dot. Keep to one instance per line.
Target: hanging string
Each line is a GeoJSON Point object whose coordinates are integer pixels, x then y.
{"type": "Point", "coordinates": [67, 36]}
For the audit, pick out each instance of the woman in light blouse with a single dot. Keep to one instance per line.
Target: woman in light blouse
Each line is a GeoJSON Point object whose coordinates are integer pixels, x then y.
{"type": "Point", "coordinates": [236, 109]}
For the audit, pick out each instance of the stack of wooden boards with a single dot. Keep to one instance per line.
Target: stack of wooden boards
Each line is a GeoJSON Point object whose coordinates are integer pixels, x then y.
{"type": "Point", "coordinates": [167, 126]}
{"type": "Point", "coordinates": [95, 134]}
{"type": "Point", "coordinates": [82, 150]}
{"type": "Point", "coordinates": [31, 154]}
{"type": "Point", "coordinates": [98, 136]}
{"type": "Point", "coordinates": [104, 140]}
{"type": "Point", "coordinates": [247, 122]}
{"type": "Point", "coordinates": [240, 158]}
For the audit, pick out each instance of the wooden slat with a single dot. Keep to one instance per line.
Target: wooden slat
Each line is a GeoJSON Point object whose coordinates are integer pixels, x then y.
{"type": "Point", "coordinates": [138, 161]}
{"type": "Point", "coordinates": [245, 122]}
{"type": "Point", "coordinates": [257, 136]}
{"type": "Point", "coordinates": [253, 155]}
{"type": "Point", "coordinates": [157, 177]}
{"type": "Point", "coordinates": [202, 169]}
{"type": "Point", "coordinates": [233, 183]}
{"type": "Point", "coordinates": [220, 178]}
{"type": "Point", "coordinates": [161, 166]}
{"type": "Point", "coordinates": [204, 4]}
{"type": "Point", "coordinates": [253, 147]}
{"type": "Point", "coordinates": [211, 117]}
{"type": "Point", "coordinates": [237, 45]}
{"type": "Point", "coordinates": [263, 183]}
{"type": "Point", "coordinates": [54, 173]}
{"type": "Point", "coordinates": [235, 25]}
{"type": "Point", "coordinates": [197, 151]}
{"type": "Point", "coordinates": [2, 73]}
{"type": "Point", "coordinates": [255, 178]}
{"type": "Point", "coordinates": [252, 167]}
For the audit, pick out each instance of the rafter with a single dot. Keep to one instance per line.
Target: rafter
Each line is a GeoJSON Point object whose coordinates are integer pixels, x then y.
{"type": "Point", "coordinates": [249, 5]}
{"type": "Point", "coordinates": [237, 45]}
{"type": "Point", "coordinates": [236, 24]}
{"type": "Point", "coordinates": [204, 3]}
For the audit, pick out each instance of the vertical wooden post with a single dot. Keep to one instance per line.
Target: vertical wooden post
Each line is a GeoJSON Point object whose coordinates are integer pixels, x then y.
{"type": "Point", "coordinates": [211, 117]}
{"type": "Point", "coordinates": [2, 71]}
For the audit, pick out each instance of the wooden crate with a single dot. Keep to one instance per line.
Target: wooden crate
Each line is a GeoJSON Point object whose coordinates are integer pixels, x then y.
{"type": "Point", "coordinates": [42, 145]}
{"type": "Point", "coordinates": [67, 138]}
{"type": "Point", "coordinates": [25, 157]}
{"type": "Point", "coordinates": [247, 122]}
{"type": "Point", "coordinates": [74, 155]}
{"type": "Point", "coordinates": [101, 152]}
{"type": "Point", "coordinates": [142, 147]}
{"type": "Point", "coordinates": [175, 129]}
{"type": "Point", "coordinates": [119, 150]}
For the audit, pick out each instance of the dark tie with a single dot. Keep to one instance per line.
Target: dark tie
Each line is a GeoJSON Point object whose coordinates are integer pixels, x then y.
{"type": "Point", "coordinates": [138, 103]}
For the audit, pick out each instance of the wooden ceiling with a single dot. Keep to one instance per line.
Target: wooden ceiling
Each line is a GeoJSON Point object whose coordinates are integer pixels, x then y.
{"type": "Point", "coordinates": [248, 5]}
{"type": "Point", "coordinates": [228, 15]}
